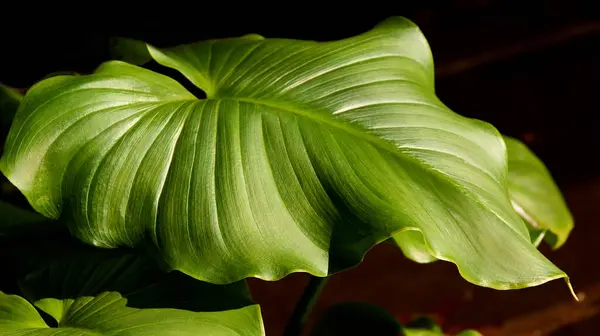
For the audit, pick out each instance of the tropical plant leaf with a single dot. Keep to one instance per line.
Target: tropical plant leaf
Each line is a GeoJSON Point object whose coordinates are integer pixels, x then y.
{"type": "Point", "coordinates": [107, 314]}
{"type": "Point", "coordinates": [302, 157]}
{"type": "Point", "coordinates": [534, 196]}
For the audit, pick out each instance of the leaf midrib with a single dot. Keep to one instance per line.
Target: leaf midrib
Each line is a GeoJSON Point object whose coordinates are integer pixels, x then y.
{"type": "Point", "coordinates": [365, 135]}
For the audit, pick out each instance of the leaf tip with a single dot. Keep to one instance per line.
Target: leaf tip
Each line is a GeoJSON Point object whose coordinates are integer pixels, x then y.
{"type": "Point", "coordinates": [572, 290]}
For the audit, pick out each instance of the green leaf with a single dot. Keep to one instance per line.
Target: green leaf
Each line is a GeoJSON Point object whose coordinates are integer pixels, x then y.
{"type": "Point", "coordinates": [534, 194]}
{"type": "Point", "coordinates": [17, 312]}
{"type": "Point", "coordinates": [107, 314]}
{"type": "Point", "coordinates": [303, 156]}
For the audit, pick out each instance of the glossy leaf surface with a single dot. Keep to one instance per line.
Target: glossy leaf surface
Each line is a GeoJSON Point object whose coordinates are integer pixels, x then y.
{"type": "Point", "coordinates": [303, 156]}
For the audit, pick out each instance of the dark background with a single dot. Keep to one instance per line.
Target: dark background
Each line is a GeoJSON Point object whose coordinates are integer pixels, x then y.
{"type": "Point", "coordinates": [531, 68]}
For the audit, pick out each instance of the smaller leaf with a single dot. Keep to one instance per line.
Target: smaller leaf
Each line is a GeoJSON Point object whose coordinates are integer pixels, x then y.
{"type": "Point", "coordinates": [107, 314]}
{"type": "Point", "coordinates": [534, 194]}
{"type": "Point", "coordinates": [16, 312]}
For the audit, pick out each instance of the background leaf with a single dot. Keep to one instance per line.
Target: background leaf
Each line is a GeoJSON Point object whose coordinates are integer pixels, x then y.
{"type": "Point", "coordinates": [107, 314]}
{"type": "Point", "coordinates": [86, 271]}
{"type": "Point", "coordinates": [303, 156]}
{"type": "Point", "coordinates": [535, 195]}
{"type": "Point", "coordinates": [9, 102]}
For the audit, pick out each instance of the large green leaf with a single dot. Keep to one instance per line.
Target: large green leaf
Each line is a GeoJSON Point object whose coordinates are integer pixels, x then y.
{"type": "Point", "coordinates": [303, 156]}
{"type": "Point", "coordinates": [533, 194]}
{"type": "Point", "coordinates": [107, 314]}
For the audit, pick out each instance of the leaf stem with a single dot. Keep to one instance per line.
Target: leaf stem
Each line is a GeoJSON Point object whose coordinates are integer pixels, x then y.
{"type": "Point", "coordinates": [303, 308]}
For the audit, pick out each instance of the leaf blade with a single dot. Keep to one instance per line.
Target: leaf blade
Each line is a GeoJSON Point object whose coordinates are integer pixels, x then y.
{"type": "Point", "coordinates": [352, 127]}
{"type": "Point", "coordinates": [107, 314]}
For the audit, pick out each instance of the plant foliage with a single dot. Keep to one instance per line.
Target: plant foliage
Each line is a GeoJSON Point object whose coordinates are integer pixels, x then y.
{"type": "Point", "coordinates": [297, 156]}
{"type": "Point", "coordinates": [302, 156]}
